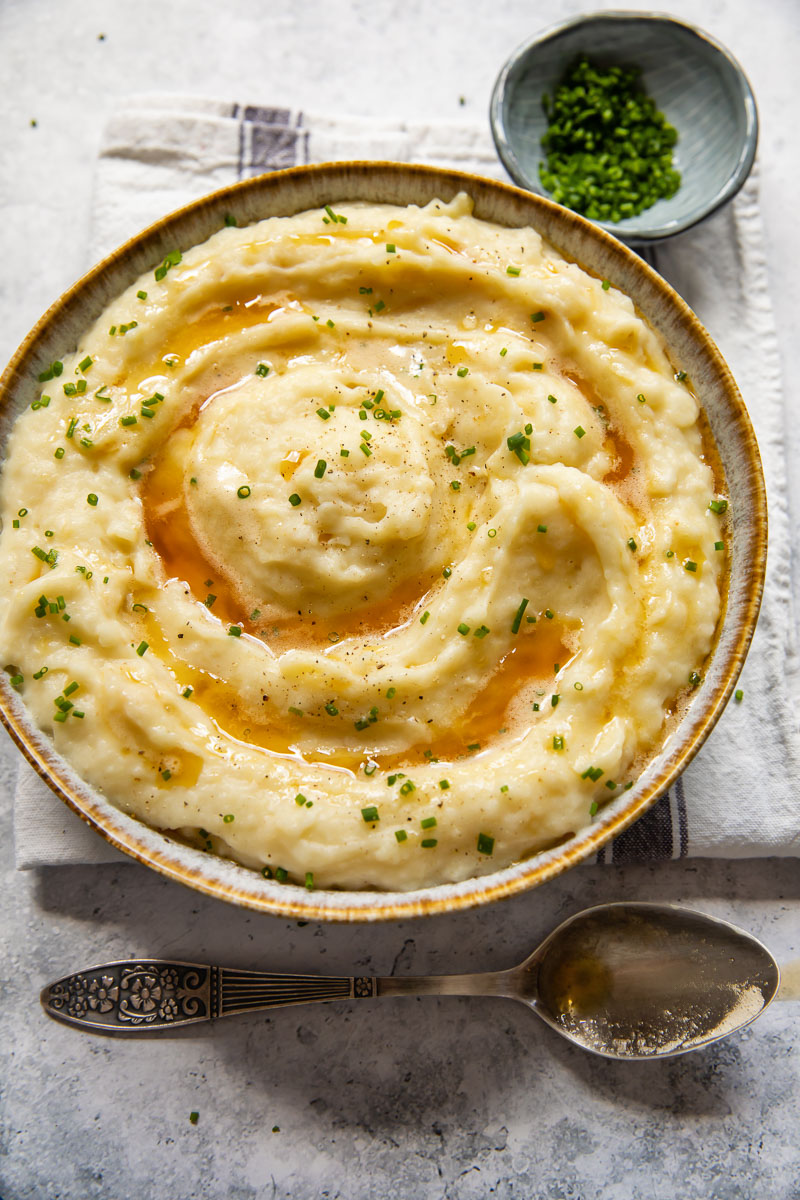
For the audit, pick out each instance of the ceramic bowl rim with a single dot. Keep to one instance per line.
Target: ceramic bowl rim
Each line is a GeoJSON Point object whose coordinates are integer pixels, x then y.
{"type": "Point", "coordinates": [498, 108]}
{"type": "Point", "coordinates": [226, 880]}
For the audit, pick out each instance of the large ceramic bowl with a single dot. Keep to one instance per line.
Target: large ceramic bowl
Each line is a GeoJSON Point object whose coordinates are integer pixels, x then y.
{"type": "Point", "coordinates": [690, 347]}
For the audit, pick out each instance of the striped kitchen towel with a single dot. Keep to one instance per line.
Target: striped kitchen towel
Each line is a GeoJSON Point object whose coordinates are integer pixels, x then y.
{"type": "Point", "coordinates": [737, 798]}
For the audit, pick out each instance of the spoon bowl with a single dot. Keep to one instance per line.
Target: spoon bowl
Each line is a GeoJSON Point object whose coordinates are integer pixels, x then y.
{"type": "Point", "coordinates": [648, 980]}
{"type": "Point", "coordinates": [627, 981]}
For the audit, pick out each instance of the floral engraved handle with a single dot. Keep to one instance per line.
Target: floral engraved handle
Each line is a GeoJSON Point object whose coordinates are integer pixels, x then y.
{"type": "Point", "coordinates": [134, 994]}
{"type": "Point", "coordinates": [149, 994]}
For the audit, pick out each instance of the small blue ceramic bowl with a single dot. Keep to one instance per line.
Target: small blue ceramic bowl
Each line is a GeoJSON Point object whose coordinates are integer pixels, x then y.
{"type": "Point", "coordinates": [693, 80]}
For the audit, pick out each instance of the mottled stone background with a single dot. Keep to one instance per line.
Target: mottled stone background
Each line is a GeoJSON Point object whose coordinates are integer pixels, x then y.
{"type": "Point", "coordinates": [414, 1099]}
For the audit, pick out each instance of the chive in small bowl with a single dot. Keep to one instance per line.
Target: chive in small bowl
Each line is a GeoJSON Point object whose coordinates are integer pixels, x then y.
{"type": "Point", "coordinates": [693, 80]}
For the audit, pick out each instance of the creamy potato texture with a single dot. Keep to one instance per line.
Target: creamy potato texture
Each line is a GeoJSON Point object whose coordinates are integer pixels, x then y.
{"type": "Point", "coordinates": [370, 546]}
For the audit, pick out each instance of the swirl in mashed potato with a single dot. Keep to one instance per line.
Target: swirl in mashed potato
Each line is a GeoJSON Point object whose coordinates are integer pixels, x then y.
{"type": "Point", "coordinates": [371, 547]}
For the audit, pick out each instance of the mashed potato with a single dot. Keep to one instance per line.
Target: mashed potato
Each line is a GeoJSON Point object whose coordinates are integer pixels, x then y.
{"type": "Point", "coordinates": [369, 547]}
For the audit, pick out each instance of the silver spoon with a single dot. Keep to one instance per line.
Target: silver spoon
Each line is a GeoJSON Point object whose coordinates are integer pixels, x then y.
{"type": "Point", "coordinates": [621, 980]}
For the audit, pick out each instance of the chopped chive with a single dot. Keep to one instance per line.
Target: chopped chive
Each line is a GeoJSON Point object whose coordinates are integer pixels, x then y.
{"type": "Point", "coordinates": [380, 305]}
{"type": "Point", "coordinates": [365, 449]}
{"type": "Point", "coordinates": [309, 880]}
{"type": "Point", "coordinates": [296, 712]}
{"type": "Point", "coordinates": [70, 389]}
{"type": "Point", "coordinates": [670, 554]}
{"type": "Point", "coordinates": [681, 375]}
{"type": "Point", "coordinates": [281, 874]}
{"type": "Point", "coordinates": [141, 648]}
{"type": "Point", "coordinates": [40, 673]}
{"type": "Point", "coordinates": [447, 572]}
{"type": "Point", "coordinates": [391, 248]}
{"type": "Point", "coordinates": [401, 835]}
{"type": "Point", "coordinates": [481, 631]}
{"type": "Point", "coordinates": [695, 679]}
{"type": "Point", "coordinates": [738, 695]}
{"type": "Point", "coordinates": [553, 399]}
{"type": "Point", "coordinates": [365, 291]}
{"type": "Point", "coordinates": [558, 741]}
{"type": "Point", "coordinates": [474, 746]}
{"type": "Point", "coordinates": [85, 363]}
{"type": "Point", "coordinates": [455, 485]}
{"type": "Point", "coordinates": [554, 699]}
{"type": "Point", "coordinates": [243, 492]}
{"type": "Point", "coordinates": [518, 617]}
{"type": "Point", "coordinates": [294, 500]}
{"type": "Point", "coordinates": [129, 420]}
{"type": "Point", "coordinates": [462, 371]}
{"type": "Point", "coordinates": [76, 712]}
{"type": "Point", "coordinates": [323, 414]}
{"type": "Point", "coordinates": [186, 693]}
{"type": "Point", "coordinates": [370, 814]}
{"type": "Point", "coordinates": [60, 716]}
{"type": "Point", "coordinates": [541, 529]}
{"type": "Point", "coordinates": [263, 370]}
{"type": "Point", "coordinates": [427, 823]}
{"type": "Point", "coordinates": [140, 295]}
{"type": "Point", "coordinates": [537, 366]}
{"type": "Point", "coordinates": [719, 545]}
{"type": "Point", "coordinates": [579, 431]}
{"type": "Point", "coordinates": [485, 844]}
{"type": "Point", "coordinates": [407, 787]}
{"type": "Point", "coordinates": [463, 629]}
{"type": "Point", "coordinates": [330, 324]}
{"type": "Point", "coordinates": [444, 784]}
{"type": "Point", "coordinates": [228, 818]}
{"type": "Point", "coordinates": [424, 617]}
{"type": "Point", "coordinates": [592, 773]}
{"type": "Point", "coordinates": [631, 543]}
{"type": "Point", "coordinates": [605, 285]}
{"type": "Point", "coordinates": [537, 316]}
{"type": "Point", "coordinates": [548, 612]}
{"type": "Point", "coordinates": [167, 774]}
{"type": "Point", "coordinates": [344, 453]}
{"type": "Point", "coordinates": [471, 526]}
{"type": "Point", "coordinates": [513, 270]}
{"type": "Point", "coordinates": [718, 506]}
{"type": "Point", "coordinates": [642, 398]}
{"type": "Point", "coordinates": [234, 631]}
{"type": "Point", "coordinates": [300, 799]}
{"type": "Point", "coordinates": [428, 843]}
{"type": "Point", "coordinates": [593, 807]}
{"type": "Point", "coordinates": [492, 533]}
{"type": "Point", "coordinates": [689, 565]}
{"type": "Point", "coordinates": [504, 352]}
{"type": "Point", "coordinates": [92, 499]}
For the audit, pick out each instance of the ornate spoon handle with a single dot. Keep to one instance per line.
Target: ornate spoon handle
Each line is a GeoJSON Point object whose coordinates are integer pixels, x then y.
{"type": "Point", "coordinates": [145, 993]}
{"type": "Point", "coordinates": [141, 994]}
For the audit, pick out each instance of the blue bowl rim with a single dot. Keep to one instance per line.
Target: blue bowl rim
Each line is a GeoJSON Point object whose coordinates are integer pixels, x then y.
{"type": "Point", "coordinates": [656, 233]}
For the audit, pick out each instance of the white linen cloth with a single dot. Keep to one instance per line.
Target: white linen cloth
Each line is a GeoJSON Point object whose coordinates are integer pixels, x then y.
{"type": "Point", "coordinates": [737, 798]}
